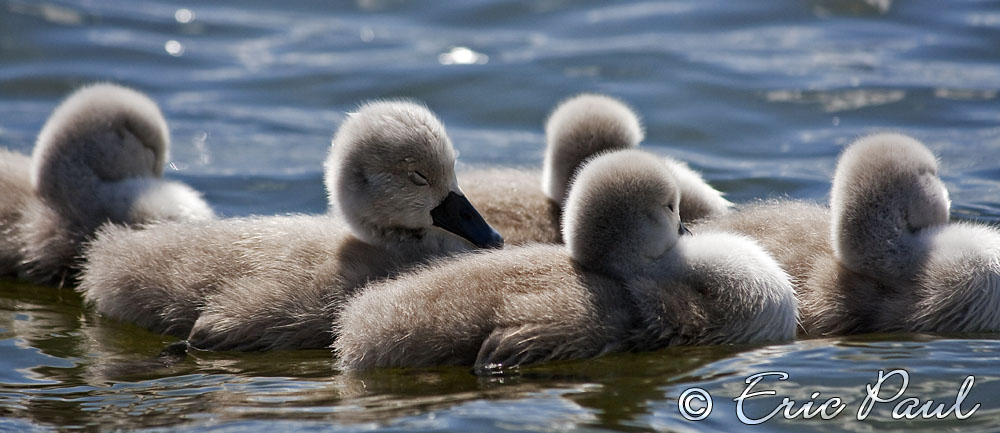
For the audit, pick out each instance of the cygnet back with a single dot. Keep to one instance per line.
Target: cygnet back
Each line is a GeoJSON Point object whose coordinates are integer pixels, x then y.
{"type": "Point", "coordinates": [627, 279]}
{"type": "Point", "coordinates": [268, 283]}
{"type": "Point", "coordinates": [526, 205]}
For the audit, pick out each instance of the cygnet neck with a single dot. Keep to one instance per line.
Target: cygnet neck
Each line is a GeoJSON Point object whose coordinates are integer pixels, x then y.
{"type": "Point", "coordinates": [885, 194]}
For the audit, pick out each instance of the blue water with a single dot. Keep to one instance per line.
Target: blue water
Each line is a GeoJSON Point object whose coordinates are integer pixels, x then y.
{"type": "Point", "coordinates": [759, 96]}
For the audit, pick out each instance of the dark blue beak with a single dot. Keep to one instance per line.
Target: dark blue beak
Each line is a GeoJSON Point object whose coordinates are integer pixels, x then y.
{"type": "Point", "coordinates": [682, 230]}
{"type": "Point", "coordinates": [455, 214]}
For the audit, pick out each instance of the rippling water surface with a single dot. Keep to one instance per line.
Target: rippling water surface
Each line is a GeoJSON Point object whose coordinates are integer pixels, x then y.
{"type": "Point", "coordinates": [759, 96]}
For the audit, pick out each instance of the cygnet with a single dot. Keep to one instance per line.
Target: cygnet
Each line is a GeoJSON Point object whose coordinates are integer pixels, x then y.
{"type": "Point", "coordinates": [276, 282]}
{"type": "Point", "coordinates": [578, 129]}
{"type": "Point", "coordinates": [98, 159]}
{"type": "Point", "coordinates": [628, 278]}
{"type": "Point", "coordinates": [897, 263]}
{"type": "Point", "coordinates": [883, 257]}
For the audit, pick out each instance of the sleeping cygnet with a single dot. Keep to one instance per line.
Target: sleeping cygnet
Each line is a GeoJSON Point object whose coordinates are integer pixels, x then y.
{"type": "Point", "coordinates": [276, 282]}
{"type": "Point", "coordinates": [525, 205]}
{"type": "Point", "coordinates": [896, 262]}
{"type": "Point", "coordinates": [628, 278]}
{"type": "Point", "coordinates": [98, 159]}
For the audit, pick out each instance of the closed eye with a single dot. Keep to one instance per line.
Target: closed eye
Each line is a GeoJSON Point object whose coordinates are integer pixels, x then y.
{"type": "Point", "coordinates": [418, 179]}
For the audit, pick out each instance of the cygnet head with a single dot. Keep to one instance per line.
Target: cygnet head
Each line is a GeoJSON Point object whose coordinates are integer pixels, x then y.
{"type": "Point", "coordinates": [579, 128]}
{"type": "Point", "coordinates": [391, 177]}
{"type": "Point", "coordinates": [622, 213]}
{"type": "Point", "coordinates": [101, 133]}
{"type": "Point", "coordinates": [885, 191]}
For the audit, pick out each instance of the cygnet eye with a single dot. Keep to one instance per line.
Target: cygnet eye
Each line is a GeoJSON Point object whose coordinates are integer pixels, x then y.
{"type": "Point", "coordinates": [655, 216]}
{"type": "Point", "coordinates": [418, 178]}
{"type": "Point", "coordinates": [670, 206]}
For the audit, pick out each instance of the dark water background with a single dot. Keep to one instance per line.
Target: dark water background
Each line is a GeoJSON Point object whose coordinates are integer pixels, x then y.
{"type": "Point", "coordinates": [759, 96]}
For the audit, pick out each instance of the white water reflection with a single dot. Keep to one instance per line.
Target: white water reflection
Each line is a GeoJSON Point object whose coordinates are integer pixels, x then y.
{"type": "Point", "coordinates": [174, 48]}
{"type": "Point", "coordinates": [834, 101]}
{"type": "Point", "coordinates": [184, 16]}
{"type": "Point", "coordinates": [463, 56]}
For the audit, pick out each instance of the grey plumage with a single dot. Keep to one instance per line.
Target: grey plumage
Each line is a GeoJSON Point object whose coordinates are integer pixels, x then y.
{"type": "Point", "coordinates": [626, 280]}
{"type": "Point", "coordinates": [525, 205]}
{"type": "Point", "coordinates": [883, 257]}
{"type": "Point", "coordinates": [276, 282]}
{"type": "Point", "coordinates": [98, 159]}
{"type": "Point", "coordinates": [15, 193]}
{"type": "Point", "coordinates": [579, 128]}
{"type": "Point", "coordinates": [897, 262]}
{"type": "Point", "coordinates": [793, 232]}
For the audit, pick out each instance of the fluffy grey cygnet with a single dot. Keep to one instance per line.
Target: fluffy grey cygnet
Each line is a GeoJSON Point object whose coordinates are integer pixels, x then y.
{"type": "Point", "coordinates": [98, 159]}
{"type": "Point", "coordinates": [897, 263]}
{"type": "Point", "coordinates": [883, 257]}
{"type": "Point", "coordinates": [628, 278]}
{"type": "Point", "coordinates": [276, 282]}
{"type": "Point", "coordinates": [578, 129]}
